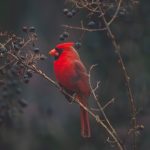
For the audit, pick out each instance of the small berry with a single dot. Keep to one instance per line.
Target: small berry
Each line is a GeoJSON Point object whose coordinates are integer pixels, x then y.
{"type": "Point", "coordinates": [122, 12]}
{"type": "Point", "coordinates": [36, 50]}
{"type": "Point", "coordinates": [32, 29]}
{"type": "Point", "coordinates": [61, 38]}
{"type": "Point", "coordinates": [65, 11]}
{"type": "Point", "coordinates": [69, 14]}
{"type": "Point", "coordinates": [26, 76]}
{"type": "Point", "coordinates": [78, 45]}
{"type": "Point", "coordinates": [16, 47]}
{"type": "Point", "coordinates": [23, 103]}
{"type": "Point", "coordinates": [42, 57]}
{"type": "Point", "coordinates": [65, 34]}
{"type": "Point", "coordinates": [3, 50]}
{"type": "Point", "coordinates": [73, 12]}
{"type": "Point", "coordinates": [25, 29]}
{"type": "Point", "coordinates": [91, 24]}
{"type": "Point", "coordinates": [29, 73]}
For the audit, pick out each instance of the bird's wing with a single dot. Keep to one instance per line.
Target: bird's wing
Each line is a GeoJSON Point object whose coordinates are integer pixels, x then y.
{"type": "Point", "coordinates": [79, 71]}
{"type": "Point", "coordinates": [81, 79]}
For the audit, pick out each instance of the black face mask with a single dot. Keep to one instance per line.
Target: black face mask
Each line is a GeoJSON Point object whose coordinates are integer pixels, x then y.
{"type": "Point", "coordinates": [59, 53]}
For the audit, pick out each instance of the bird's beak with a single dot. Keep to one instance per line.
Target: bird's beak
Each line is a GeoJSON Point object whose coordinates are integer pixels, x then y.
{"type": "Point", "coordinates": [53, 52]}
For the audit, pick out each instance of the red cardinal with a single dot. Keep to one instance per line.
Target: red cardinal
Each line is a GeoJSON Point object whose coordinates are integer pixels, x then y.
{"type": "Point", "coordinates": [72, 76]}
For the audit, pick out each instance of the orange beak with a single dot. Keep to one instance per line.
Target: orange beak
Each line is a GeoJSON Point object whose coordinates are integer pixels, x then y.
{"type": "Point", "coordinates": [53, 52]}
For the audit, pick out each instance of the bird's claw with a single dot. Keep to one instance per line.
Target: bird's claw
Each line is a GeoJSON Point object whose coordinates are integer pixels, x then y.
{"type": "Point", "coordinates": [74, 98]}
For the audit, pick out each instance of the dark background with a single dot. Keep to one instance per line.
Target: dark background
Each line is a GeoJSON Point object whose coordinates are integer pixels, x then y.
{"type": "Point", "coordinates": [49, 122]}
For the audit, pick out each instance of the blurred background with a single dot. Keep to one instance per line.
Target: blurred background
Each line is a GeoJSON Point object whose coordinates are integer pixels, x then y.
{"type": "Point", "coordinates": [49, 122]}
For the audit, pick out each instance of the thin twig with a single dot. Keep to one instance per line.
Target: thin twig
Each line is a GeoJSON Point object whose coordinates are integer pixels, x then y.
{"type": "Point", "coordinates": [83, 28]}
{"type": "Point", "coordinates": [108, 103]}
{"type": "Point", "coordinates": [9, 40]}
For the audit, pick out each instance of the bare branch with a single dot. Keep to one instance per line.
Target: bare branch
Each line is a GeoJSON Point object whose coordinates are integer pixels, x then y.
{"type": "Point", "coordinates": [101, 108]}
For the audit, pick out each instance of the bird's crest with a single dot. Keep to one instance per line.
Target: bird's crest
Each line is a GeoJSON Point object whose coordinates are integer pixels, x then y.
{"type": "Point", "coordinates": [64, 45]}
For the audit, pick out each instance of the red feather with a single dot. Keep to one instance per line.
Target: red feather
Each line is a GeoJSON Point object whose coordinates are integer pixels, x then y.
{"type": "Point", "coordinates": [71, 74]}
{"type": "Point", "coordinates": [64, 45]}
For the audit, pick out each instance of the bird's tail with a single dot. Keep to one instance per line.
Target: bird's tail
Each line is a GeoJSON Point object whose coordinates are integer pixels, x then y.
{"type": "Point", "coordinates": [84, 118]}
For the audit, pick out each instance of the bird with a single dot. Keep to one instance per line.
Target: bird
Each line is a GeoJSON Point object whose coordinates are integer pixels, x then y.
{"type": "Point", "coordinates": [73, 78]}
